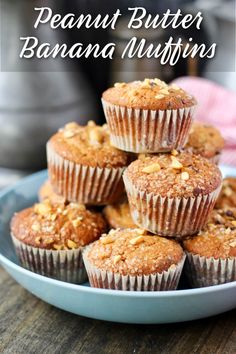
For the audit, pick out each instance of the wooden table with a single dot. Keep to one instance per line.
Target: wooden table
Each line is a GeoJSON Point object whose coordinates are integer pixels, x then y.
{"type": "Point", "coordinates": [28, 325]}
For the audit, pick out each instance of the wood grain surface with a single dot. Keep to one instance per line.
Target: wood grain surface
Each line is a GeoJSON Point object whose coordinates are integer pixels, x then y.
{"type": "Point", "coordinates": [28, 325]}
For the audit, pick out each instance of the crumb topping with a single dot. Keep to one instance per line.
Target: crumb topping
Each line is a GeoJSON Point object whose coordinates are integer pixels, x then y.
{"type": "Point", "coordinates": [148, 94]}
{"type": "Point", "coordinates": [119, 216]}
{"type": "Point", "coordinates": [218, 239]}
{"type": "Point", "coordinates": [129, 252]}
{"type": "Point", "coordinates": [57, 226]}
{"type": "Point", "coordinates": [227, 196]}
{"type": "Point", "coordinates": [205, 140]}
{"type": "Point", "coordinates": [182, 175]}
{"type": "Point", "coordinates": [89, 145]}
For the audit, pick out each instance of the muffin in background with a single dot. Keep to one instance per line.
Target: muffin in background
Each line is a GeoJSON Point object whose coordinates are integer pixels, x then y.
{"type": "Point", "coordinates": [148, 116]}
{"type": "Point", "coordinates": [132, 259]}
{"type": "Point", "coordinates": [172, 194]}
{"type": "Point", "coordinates": [118, 216]}
{"type": "Point", "coordinates": [46, 192]}
{"type": "Point", "coordinates": [49, 238]}
{"type": "Point", "coordinates": [206, 141]}
{"type": "Point", "coordinates": [227, 197]}
{"type": "Point", "coordinates": [211, 255]}
{"type": "Point", "coordinates": [84, 167]}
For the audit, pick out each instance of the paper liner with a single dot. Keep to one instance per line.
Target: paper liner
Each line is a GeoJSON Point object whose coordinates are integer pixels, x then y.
{"type": "Point", "coordinates": [202, 271]}
{"type": "Point", "coordinates": [84, 184]}
{"type": "Point", "coordinates": [65, 265]}
{"type": "Point", "coordinates": [143, 130]}
{"type": "Point", "coordinates": [215, 159]}
{"type": "Point", "coordinates": [167, 280]}
{"type": "Point", "coordinates": [169, 216]}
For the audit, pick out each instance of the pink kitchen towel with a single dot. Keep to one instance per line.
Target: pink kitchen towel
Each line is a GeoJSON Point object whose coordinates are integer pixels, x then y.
{"type": "Point", "coordinates": [216, 106]}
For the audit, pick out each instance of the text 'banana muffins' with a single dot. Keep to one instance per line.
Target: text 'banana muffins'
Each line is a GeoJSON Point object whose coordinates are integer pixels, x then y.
{"type": "Point", "coordinates": [49, 238]}
{"type": "Point", "coordinates": [227, 197]}
{"type": "Point", "coordinates": [206, 141]}
{"type": "Point", "coordinates": [131, 259]}
{"type": "Point", "coordinates": [84, 167]}
{"type": "Point", "coordinates": [172, 194]}
{"type": "Point", "coordinates": [118, 216]}
{"type": "Point", "coordinates": [212, 253]}
{"type": "Point", "coordinates": [148, 116]}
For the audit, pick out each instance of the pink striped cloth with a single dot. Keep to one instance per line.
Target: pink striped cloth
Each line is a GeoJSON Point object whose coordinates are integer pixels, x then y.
{"type": "Point", "coordinates": [216, 106]}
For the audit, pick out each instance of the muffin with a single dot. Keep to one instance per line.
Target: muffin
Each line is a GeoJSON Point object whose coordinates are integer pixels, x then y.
{"type": "Point", "coordinates": [148, 116]}
{"type": "Point", "coordinates": [211, 254]}
{"type": "Point", "coordinates": [131, 259]}
{"type": "Point", "coordinates": [227, 196]}
{"type": "Point", "coordinates": [172, 194]}
{"type": "Point", "coordinates": [206, 141]}
{"type": "Point", "coordinates": [49, 238]}
{"type": "Point", "coordinates": [118, 216]}
{"type": "Point", "coordinates": [46, 192]}
{"type": "Point", "coordinates": [83, 166]}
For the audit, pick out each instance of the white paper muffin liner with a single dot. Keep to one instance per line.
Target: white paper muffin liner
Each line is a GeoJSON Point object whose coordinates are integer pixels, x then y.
{"type": "Point", "coordinates": [64, 265]}
{"type": "Point", "coordinates": [167, 280]}
{"type": "Point", "coordinates": [215, 159]}
{"type": "Point", "coordinates": [202, 271]}
{"type": "Point", "coordinates": [84, 184]}
{"type": "Point", "coordinates": [171, 217]}
{"type": "Point", "coordinates": [148, 131]}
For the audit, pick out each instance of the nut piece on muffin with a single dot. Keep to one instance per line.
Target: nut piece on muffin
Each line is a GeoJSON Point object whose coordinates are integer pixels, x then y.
{"type": "Point", "coordinates": [206, 141]}
{"type": "Point", "coordinates": [46, 192]}
{"type": "Point", "coordinates": [212, 253]}
{"type": "Point", "coordinates": [49, 238]}
{"type": "Point", "coordinates": [227, 196]}
{"type": "Point", "coordinates": [132, 259]}
{"type": "Point", "coordinates": [84, 167]}
{"type": "Point", "coordinates": [118, 216]}
{"type": "Point", "coordinates": [148, 116]}
{"type": "Point", "coordinates": [172, 194]}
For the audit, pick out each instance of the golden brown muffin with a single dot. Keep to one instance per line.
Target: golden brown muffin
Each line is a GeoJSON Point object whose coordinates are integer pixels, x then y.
{"type": "Point", "coordinates": [227, 196]}
{"type": "Point", "coordinates": [46, 192]}
{"type": "Point", "coordinates": [206, 141]}
{"type": "Point", "coordinates": [119, 216]}
{"type": "Point", "coordinates": [148, 116]}
{"type": "Point", "coordinates": [134, 253]}
{"type": "Point", "coordinates": [212, 253]}
{"type": "Point", "coordinates": [172, 195]}
{"type": "Point", "coordinates": [84, 167]}
{"type": "Point", "coordinates": [57, 226]}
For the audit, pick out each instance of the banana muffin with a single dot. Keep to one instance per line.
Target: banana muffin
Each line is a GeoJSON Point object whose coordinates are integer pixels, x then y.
{"type": "Point", "coordinates": [206, 141]}
{"type": "Point", "coordinates": [132, 259]}
{"type": "Point", "coordinates": [211, 254]}
{"type": "Point", "coordinates": [172, 194]}
{"type": "Point", "coordinates": [46, 192]}
{"type": "Point", "coordinates": [148, 116]}
{"type": "Point", "coordinates": [84, 167]}
{"type": "Point", "coordinates": [118, 216]}
{"type": "Point", "coordinates": [227, 196]}
{"type": "Point", "coordinates": [49, 238]}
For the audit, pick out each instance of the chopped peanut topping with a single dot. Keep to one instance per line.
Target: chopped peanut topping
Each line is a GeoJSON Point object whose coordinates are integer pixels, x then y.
{"type": "Point", "coordinates": [71, 126]}
{"type": "Point", "coordinates": [35, 227]}
{"type": "Point", "coordinates": [105, 240]}
{"type": "Point", "coordinates": [71, 244]}
{"type": "Point", "coordinates": [137, 240]}
{"type": "Point", "coordinates": [42, 209]}
{"type": "Point", "coordinates": [95, 136]}
{"type": "Point", "coordinates": [175, 163]}
{"type": "Point", "coordinates": [174, 152]}
{"type": "Point", "coordinates": [57, 247]}
{"type": "Point", "coordinates": [112, 232]}
{"type": "Point", "coordinates": [38, 240]}
{"type": "Point", "coordinates": [184, 176]}
{"type": "Point", "coordinates": [117, 259]}
{"type": "Point", "coordinates": [91, 123]}
{"type": "Point", "coordinates": [120, 84]}
{"type": "Point", "coordinates": [159, 96]}
{"type": "Point", "coordinates": [155, 167]}
{"type": "Point", "coordinates": [141, 231]}
{"type": "Point", "coordinates": [174, 87]}
{"type": "Point", "coordinates": [164, 92]}
{"type": "Point", "coordinates": [69, 134]}
{"type": "Point", "coordinates": [234, 222]}
{"type": "Point", "coordinates": [49, 240]}
{"type": "Point", "coordinates": [76, 222]}
{"type": "Point", "coordinates": [228, 192]}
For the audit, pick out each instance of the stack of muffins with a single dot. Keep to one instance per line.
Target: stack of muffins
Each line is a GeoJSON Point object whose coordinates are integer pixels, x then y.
{"type": "Point", "coordinates": [168, 166]}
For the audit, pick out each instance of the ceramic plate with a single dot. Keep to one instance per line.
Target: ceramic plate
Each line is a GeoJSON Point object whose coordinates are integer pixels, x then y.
{"type": "Point", "coordinates": [110, 305]}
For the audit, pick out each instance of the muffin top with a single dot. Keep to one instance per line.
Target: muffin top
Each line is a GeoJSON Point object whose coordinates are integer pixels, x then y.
{"type": "Point", "coordinates": [88, 145]}
{"type": "Point", "coordinates": [148, 94]}
{"type": "Point", "coordinates": [227, 196]}
{"type": "Point", "coordinates": [134, 252]}
{"type": "Point", "coordinates": [119, 216]}
{"type": "Point", "coordinates": [46, 192]}
{"type": "Point", "coordinates": [174, 175]}
{"type": "Point", "coordinates": [57, 227]}
{"type": "Point", "coordinates": [205, 140]}
{"type": "Point", "coordinates": [218, 239]}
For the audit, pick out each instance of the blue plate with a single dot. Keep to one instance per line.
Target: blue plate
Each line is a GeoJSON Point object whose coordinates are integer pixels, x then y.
{"type": "Point", "coordinates": [110, 305]}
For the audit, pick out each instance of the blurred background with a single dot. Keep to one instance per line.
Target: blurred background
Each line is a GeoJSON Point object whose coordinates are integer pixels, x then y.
{"type": "Point", "coordinates": [39, 96]}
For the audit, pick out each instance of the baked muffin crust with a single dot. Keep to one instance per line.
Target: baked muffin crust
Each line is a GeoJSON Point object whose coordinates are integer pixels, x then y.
{"type": "Point", "coordinates": [57, 226]}
{"type": "Point", "coordinates": [174, 175]}
{"type": "Point", "coordinates": [151, 94]}
{"type": "Point", "coordinates": [218, 239]}
{"type": "Point", "coordinates": [227, 196]}
{"type": "Point", "coordinates": [134, 252]}
{"type": "Point", "coordinates": [88, 145]}
{"type": "Point", "coordinates": [46, 192]}
{"type": "Point", "coordinates": [119, 216]}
